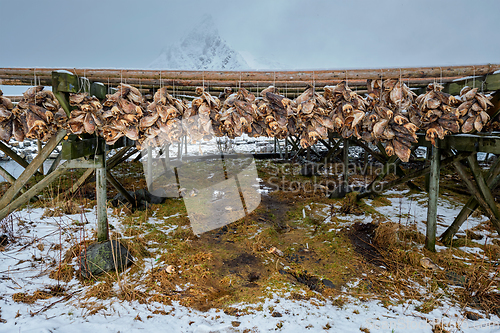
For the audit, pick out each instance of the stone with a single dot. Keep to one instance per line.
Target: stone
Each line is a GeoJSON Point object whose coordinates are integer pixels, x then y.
{"type": "Point", "coordinates": [104, 257]}
{"type": "Point", "coordinates": [142, 198]}
{"type": "Point", "coordinates": [276, 314]}
{"type": "Point", "coordinates": [328, 283]}
{"type": "Point", "coordinates": [472, 315]}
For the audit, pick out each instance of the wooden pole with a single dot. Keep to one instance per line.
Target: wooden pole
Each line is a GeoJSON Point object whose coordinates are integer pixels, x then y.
{"type": "Point", "coordinates": [235, 77]}
{"type": "Point", "coordinates": [121, 189]}
{"type": "Point", "coordinates": [345, 183]}
{"type": "Point", "coordinates": [483, 187]}
{"type": "Point", "coordinates": [56, 162]}
{"type": "Point", "coordinates": [102, 216]}
{"type": "Point", "coordinates": [150, 165]}
{"type": "Point", "coordinates": [24, 198]}
{"type": "Point", "coordinates": [474, 190]}
{"type": "Point", "coordinates": [32, 168]}
{"type": "Point", "coordinates": [39, 147]}
{"type": "Point", "coordinates": [9, 152]}
{"type": "Point", "coordinates": [430, 237]}
{"type": "Point", "coordinates": [493, 179]}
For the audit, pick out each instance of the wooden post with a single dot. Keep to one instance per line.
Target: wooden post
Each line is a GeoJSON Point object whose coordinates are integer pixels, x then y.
{"type": "Point", "coordinates": [493, 180]}
{"type": "Point", "coordinates": [346, 165]}
{"type": "Point", "coordinates": [430, 237]}
{"type": "Point", "coordinates": [150, 165]}
{"type": "Point", "coordinates": [55, 163]}
{"type": "Point", "coordinates": [24, 198]}
{"type": "Point", "coordinates": [32, 168]}
{"type": "Point", "coordinates": [102, 216]}
{"type": "Point", "coordinates": [427, 177]}
{"type": "Point", "coordinates": [286, 148]}
{"type": "Point", "coordinates": [39, 147]}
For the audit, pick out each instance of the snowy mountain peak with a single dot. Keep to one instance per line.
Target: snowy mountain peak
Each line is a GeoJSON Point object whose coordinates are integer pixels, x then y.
{"type": "Point", "coordinates": [201, 49]}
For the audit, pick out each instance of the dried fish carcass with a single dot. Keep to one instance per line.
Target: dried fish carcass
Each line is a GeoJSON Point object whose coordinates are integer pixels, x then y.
{"type": "Point", "coordinates": [473, 110]}
{"type": "Point", "coordinates": [313, 115]}
{"type": "Point", "coordinates": [348, 110]}
{"type": "Point", "coordinates": [281, 115]}
{"type": "Point", "coordinates": [121, 113]}
{"type": "Point", "coordinates": [6, 118]}
{"type": "Point", "coordinates": [34, 116]}
{"type": "Point", "coordinates": [86, 115]}
{"type": "Point", "coordinates": [439, 113]}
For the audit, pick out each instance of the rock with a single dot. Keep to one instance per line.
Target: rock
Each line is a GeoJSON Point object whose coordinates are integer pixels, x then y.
{"type": "Point", "coordinates": [472, 315]}
{"type": "Point", "coordinates": [328, 283]}
{"type": "Point", "coordinates": [426, 262]}
{"type": "Point", "coordinates": [4, 240]}
{"type": "Point", "coordinates": [276, 314]}
{"type": "Point", "coordinates": [104, 257]}
{"type": "Point", "coordinates": [235, 323]}
{"type": "Point", "coordinates": [142, 199]}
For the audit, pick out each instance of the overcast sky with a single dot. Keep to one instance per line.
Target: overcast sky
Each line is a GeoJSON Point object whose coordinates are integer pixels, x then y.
{"type": "Point", "coordinates": [299, 34]}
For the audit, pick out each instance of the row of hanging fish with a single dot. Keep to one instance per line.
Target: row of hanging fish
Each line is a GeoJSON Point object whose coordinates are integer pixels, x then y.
{"type": "Point", "coordinates": [389, 113]}
{"type": "Point", "coordinates": [37, 116]}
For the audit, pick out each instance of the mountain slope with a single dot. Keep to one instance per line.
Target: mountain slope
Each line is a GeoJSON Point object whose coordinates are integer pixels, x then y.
{"type": "Point", "coordinates": [201, 49]}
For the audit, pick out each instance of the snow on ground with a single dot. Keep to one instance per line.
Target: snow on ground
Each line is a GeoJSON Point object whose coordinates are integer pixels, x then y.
{"type": "Point", "coordinates": [25, 265]}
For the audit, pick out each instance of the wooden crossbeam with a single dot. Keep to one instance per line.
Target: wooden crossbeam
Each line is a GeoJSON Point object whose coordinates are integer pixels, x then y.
{"type": "Point", "coordinates": [31, 169]}
{"type": "Point", "coordinates": [34, 190]}
{"type": "Point", "coordinates": [474, 190]}
{"type": "Point", "coordinates": [492, 180]}
{"type": "Point", "coordinates": [412, 175]}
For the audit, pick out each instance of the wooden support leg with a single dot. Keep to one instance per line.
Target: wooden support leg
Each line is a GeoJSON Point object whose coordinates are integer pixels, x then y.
{"type": "Point", "coordinates": [334, 151]}
{"type": "Point", "coordinates": [32, 168]}
{"type": "Point", "coordinates": [102, 216]}
{"type": "Point", "coordinates": [410, 176]}
{"type": "Point", "coordinates": [9, 152]}
{"type": "Point", "coordinates": [345, 182]}
{"type": "Point", "coordinates": [24, 198]}
{"type": "Point", "coordinates": [80, 181]}
{"type": "Point", "coordinates": [120, 188]}
{"type": "Point", "coordinates": [427, 179]}
{"type": "Point", "coordinates": [39, 147]}
{"type": "Point", "coordinates": [493, 179]}
{"type": "Point", "coordinates": [55, 163]}
{"type": "Point", "coordinates": [430, 237]}
{"type": "Point", "coordinates": [483, 187]}
{"type": "Point", "coordinates": [150, 165]}
{"type": "Point", "coordinates": [474, 190]}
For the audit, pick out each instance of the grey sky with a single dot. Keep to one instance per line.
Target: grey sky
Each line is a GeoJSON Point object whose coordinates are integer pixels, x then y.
{"type": "Point", "coordinates": [299, 34]}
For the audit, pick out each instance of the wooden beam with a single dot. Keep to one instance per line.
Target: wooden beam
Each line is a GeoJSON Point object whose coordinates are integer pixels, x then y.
{"type": "Point", "coordinates": [430, 236]}
{"type": "Point", "coordinates": [55, 163]}
{"type": "Point", "coordinates": [484, 189]}
{"type": "Point", "coordinates": [269, 76]}
{"type": "Point", "coordinates": [410, 176]}
{"type": "Point", "coordinates": [474, 190]}
{"type": "Point", "coordinates": [9, 152]}
{"type": "Point", "coordinates": [24, 198]}
{"type": "Point", "coordinates": [121, 189]}
{"type": "Point", "coordinates": [493, 179]}
{"type": "Point", "coordinates": [30, 170]}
